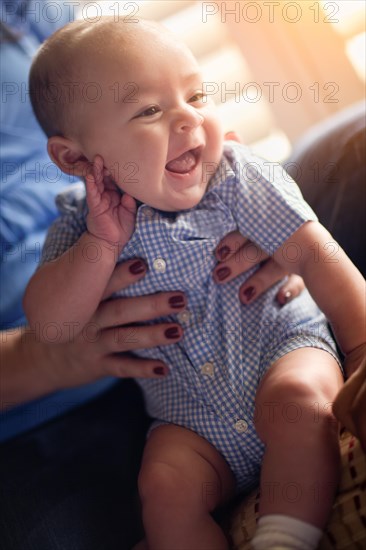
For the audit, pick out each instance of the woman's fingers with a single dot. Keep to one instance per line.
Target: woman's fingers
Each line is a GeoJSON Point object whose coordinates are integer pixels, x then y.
{"type": "Point", "coordinates": [129, 366]}
{"type": "Point", "coordinates": [292, 288]}
{"type": "Point", "coordinates": [125, 311]}
{"type": "Point", "coordinates": [124, 275]}
{"type": "Point", "coordinates": [268, 275]}
{"type": "Point", "coordinates": [113, 327]}
{"type": "Point", "coordinates": [121, 339]}
{"type": "Point", "coordinates": [229, 245]}
{"type": "Point", "coordinates": [97, 352]}
{"type": "Point", "coordinates": [236, 255]}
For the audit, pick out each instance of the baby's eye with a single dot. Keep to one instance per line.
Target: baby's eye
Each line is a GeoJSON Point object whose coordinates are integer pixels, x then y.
{"type": "Point", "coordinates": [150, 111]}
{"type": "Point", "coordinates": [198, 96]}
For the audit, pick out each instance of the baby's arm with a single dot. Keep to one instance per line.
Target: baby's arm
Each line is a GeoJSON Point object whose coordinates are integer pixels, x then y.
{"type": "Point", "coordinates": [68, 290]}
{"type": "Point", "coordinates": [334, 282]}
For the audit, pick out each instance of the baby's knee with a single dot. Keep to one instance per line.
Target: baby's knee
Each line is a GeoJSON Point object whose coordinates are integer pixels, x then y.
{"type": "Point", "coordinates": [290, 405]}
{"type": "Point", "coordinates": [162, 485]}
{"type": "Point", "coordinates": [292, 389]}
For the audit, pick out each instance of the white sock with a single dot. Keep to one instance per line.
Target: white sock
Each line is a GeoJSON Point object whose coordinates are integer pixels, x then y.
{"type": "Point", "coordinates": [279, 532]}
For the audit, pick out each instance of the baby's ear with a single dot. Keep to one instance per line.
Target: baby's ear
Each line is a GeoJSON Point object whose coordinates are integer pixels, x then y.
{"type": "Point", "coordinates": [66, 154]}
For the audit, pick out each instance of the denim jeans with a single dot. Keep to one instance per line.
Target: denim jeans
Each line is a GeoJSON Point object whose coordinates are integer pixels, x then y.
{"type": "Point", "coordinates": [71, 484]}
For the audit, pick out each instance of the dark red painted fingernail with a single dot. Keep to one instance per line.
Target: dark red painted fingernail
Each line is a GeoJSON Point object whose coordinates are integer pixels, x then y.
{"type": "Point", "coordinates": [159, 370]}
{"type": "Point", "coordinates": [249, 293]}
{"type": "Point", "coordinates": [287, 297]}
{"type": "Point", "coordinates": [223, 273]}
{"type": "Point", "coordinates": [177, 301]}
{"type": "Point", "coordinates": [137, 267]}
{"type": "Point", "coordinates": [223, 252]}
{"type": "Point", "coordinates": [172, 333]}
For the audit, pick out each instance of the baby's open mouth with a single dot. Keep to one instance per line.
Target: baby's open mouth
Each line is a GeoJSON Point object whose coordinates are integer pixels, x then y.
{"type": "Point", "coordinates": [185, 163]}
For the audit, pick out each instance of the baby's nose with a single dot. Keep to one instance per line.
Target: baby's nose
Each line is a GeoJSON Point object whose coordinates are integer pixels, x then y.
{"type": "Point", "coordinates": [188, 118]}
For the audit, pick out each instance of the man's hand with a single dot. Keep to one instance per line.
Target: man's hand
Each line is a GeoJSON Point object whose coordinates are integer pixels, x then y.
{"type": "Point", "coordinates": [111, 216]}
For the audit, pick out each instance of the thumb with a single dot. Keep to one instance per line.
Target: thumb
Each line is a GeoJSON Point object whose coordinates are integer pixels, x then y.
{"type": "Point", "coordinates": [129, 203]}
{"type": "Point", "coordinates": [128, 215]}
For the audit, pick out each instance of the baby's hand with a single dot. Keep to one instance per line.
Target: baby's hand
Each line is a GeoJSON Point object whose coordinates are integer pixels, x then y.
{"type": "Point", "coordinates": [111, 217]}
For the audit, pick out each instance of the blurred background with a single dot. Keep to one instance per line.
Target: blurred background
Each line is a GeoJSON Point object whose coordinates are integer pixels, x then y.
{"type": "Point", "coordinates": [274, 68]}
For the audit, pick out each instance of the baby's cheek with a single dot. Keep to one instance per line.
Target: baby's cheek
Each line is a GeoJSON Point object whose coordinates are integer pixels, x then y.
{"type": "Point", "coordinates": [215, 137]}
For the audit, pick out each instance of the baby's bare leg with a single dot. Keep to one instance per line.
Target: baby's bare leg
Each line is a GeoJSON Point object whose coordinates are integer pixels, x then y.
{"type": "Point", "coordinates": [294, 419]}
{"type": "Point", "coordinates": [182, 479]}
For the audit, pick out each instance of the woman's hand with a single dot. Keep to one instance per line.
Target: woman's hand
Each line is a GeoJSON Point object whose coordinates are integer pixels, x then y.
{"type": "Point", "coordinates": [33, 369]}
{"type": "Point", "coordinates": [236, 255]}
{"type": "Point", "coordinates": [350, 404]}
{"type": "Point", "coordinates": [104, 347]}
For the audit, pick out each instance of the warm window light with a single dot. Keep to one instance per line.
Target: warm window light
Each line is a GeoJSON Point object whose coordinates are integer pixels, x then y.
{"type": "Point", "coordinates": [345, 8]}
{"type": "Point", "coordinates": [348, 18]}
{"type": "Point", "coordinates": [355, 49]}
{"type": "Point", "coordinates": [128, 10]}
{"type": "Point", "coordinates": [252, 120]}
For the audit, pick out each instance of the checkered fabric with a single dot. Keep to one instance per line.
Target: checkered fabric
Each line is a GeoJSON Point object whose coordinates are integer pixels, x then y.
{"type": "Point", "coordinates": [227, 347]}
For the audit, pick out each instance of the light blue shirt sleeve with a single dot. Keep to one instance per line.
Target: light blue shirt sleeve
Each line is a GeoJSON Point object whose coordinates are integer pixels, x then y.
{"type": "Point", "coordinates": [266, 203]}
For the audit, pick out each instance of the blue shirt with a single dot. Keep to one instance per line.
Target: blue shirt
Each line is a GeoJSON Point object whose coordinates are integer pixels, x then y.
{"type": "Point", "coordinates": [29, 180]}
{"type": "Point", "coordinates": [29, 185]}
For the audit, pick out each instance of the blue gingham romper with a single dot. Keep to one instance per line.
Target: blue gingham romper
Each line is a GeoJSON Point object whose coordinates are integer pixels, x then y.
{"type": "Point", "coordinates": [227, 347]}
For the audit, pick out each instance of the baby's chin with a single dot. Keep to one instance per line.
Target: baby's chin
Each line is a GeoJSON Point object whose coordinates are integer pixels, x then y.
{"type": "Point", "coordinates": [182, 203]}
{"type": "Point", "coordinates": [179, 205]}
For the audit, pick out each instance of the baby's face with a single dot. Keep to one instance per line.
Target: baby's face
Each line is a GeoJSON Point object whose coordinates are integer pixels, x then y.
{"type": "Point", "coordinates": [158, 134]}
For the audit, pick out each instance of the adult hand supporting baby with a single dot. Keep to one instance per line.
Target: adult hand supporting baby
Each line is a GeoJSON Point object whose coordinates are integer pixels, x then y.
{"type": "Point", "coordinates": [102, 349]}
{"type": "Point", "coordinates": [105, 347]}
{"type": "Point", "coordinates": [236, 254]}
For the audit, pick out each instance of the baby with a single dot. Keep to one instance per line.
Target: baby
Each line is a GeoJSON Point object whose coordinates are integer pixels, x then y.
{"type": "Point", "coordinates": [250, 388]}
